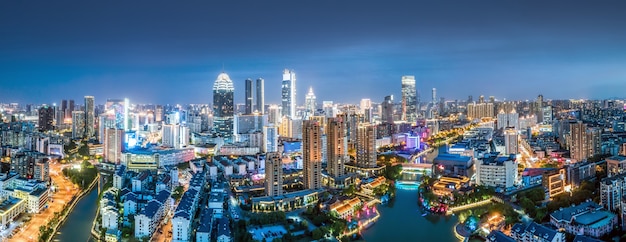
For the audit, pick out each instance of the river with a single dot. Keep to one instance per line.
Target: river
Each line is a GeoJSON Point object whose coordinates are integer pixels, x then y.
{"type": "Point", "coordinates": [77, 226]}
{"type": "Point", "coordinates": [403, 222]}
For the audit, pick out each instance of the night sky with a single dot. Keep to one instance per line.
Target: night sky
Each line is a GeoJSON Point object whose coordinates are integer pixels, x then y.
{"type": "Point", "coordinates": [172, 51]}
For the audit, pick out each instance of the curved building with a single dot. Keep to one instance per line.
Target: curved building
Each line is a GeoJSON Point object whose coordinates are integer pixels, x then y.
{"type": "Point", "coordinates": [223, 106]}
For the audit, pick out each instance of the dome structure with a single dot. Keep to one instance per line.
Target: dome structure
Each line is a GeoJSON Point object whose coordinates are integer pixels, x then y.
{"type": "Point", "coordinates": [223, 83]}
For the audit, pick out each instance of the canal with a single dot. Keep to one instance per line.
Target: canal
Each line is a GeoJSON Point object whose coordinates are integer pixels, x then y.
{"type": "Point", "coordinates": [77, 226]}
{"type": "Point", "coordinates": [401, 221]}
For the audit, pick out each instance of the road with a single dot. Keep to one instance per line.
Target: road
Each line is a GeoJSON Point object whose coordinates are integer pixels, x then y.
{"type": "Point", "coordinates": [66, 190]}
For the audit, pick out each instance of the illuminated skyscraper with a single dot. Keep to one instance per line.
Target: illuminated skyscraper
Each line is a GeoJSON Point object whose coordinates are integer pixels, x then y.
{"type": "Point", "coordinates": [312, 154]}
{"type": "Point", "coordinates": [78, 124]}
{"type": "Point", "coordinates": [309, 103]}
{"type": "Point", "coordinates": [90, 117]}
{"type": "Point", "coordinates": [223, 106]}
{"type": "Point", "coordinates": [248, 109]}
{"type": "Point", "coordinates": [289, 93]}
{"type": "Point", "coordinates": [336, 147]}
{"type": "Point", "coordinates": [273, 174]}
{"type": "Point", "coordinates": [409, 99]}
{"type": "Point", "coordinates": [117, 109]}
{"type": "Point", "coordinates": [260, 95]}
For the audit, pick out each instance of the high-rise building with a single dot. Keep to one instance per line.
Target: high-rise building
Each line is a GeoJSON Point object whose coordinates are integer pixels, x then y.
{"type": "Point", "coordinates": [46, 118]}
{"type": "Point", "coordinates": [158, 114]}
{"type": "Point", "coordinates": [68, 107]}
{"type": "Point", "coordinates": [510, 141]}
{"type": "Point", "coordinates": [113, 143]}
{"type": "Point", "coordinates": [244, 125]}
{"type": "Point", "coordinates": [583, 141]}
{"type": "Point", "coordinates": [171, 135]}
{"type": "Point", "coordinates": [289, 93]}
{"type": "Point", "coordinates": [118, 109]}
{"type": "Point", "coordinates": [336, 147]}
{"type": "Point", "coordinates": [260, 95]}
{"type": "Point", "coordinates": [387, 109]}
{"type": "Point", "coordinates": [274, 115]}
{"type": "Point", "coordinates": [434, 101]}
{"type": "Point", "coordinates": [78, 124]}
{"type": "Point", "coordinates": [273, 174]}
{"type": "Point", "coordinates": [366, 146]}
{"type": "Point", "coordinates": [223, 106]}
{"type": "Point", "coordinates": [270, 139]}
{"type": "Point", "coordinates": [547, 114]}
{"type": "Point", "coordinates": [480, 110]}
{"type": "Point", "coordinates": [248, 109]}
{"type": "Point", "coordinates": [539, 108]}
{"type": "Point", "coordinates": [506, 120]}
{"type": "Point", "coordinates": [366, 110]}
{"type": "Point", "coordinates": [29, 164]}
{"type": "Point", "coordinates": [309, 103]}
{"type": "Point", "coordinates": [90, 117]}
{"type": "Point", "coordinates": [312, 154]}
{"type": "Point", "coordinates": [330, 109]}
{"type": "Point", "coordinates": [409, 96]}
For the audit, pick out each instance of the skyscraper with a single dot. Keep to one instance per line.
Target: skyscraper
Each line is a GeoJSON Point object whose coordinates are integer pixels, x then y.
{"type": "Point", "coordinates": [366, 110]}
{"type": "Point", "coordinates": [46, 118]}
{"type": "Point", "coordinates": [409, 99]}
{"type": "Point", "coordinates": [90, 117]}
{"type": "Point", "coordinates": [113, 139]}
{"type": "Point", "coordinates": [387, 110]}
{"type": "Point", "coordinates": [260, 95]}
{"type": "Point", "coordinates": [539, 108]}
{"type": "Point", "coordinates": [273, 174]}
{"type": "Point", "coordinates": [78, 124]}
{"type": "Point", "coordinates": [248, 109]}
{"type": "Point", "coordinates": [309, 103]}
{"type": "Point", "coordinates": [336, 147]}
{"type": "Point", "coordinates": [434, 101]}
{"type": "Point", "coordinates": [366, 146]}
{"type": "Point", "coordinates": [312, 154]}
{"type": "Point", "coordinates": [289, 93]}
{"type": "Point", "coordinates": [223, 108]}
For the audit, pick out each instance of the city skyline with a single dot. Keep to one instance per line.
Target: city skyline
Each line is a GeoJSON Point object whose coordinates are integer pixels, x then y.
{"type": "Point", "coordinates": [507, 50]}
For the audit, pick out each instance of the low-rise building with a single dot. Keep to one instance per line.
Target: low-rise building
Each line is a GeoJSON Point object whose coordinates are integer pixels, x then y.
{"type": "Point", "coordinates": [534, 232]}
{"type": "Point", "coordinates": [149, 218]}
{"type": "Point", "coordinates": [346, 208]}
{"type": "Point", "coordinates": [587, 218]}
{"type": "Point", "coordinates": [223, 230]}
{"type": "Point", "coordinates": [10, 208]}
{"type": "Point", "coordinates": [453, 165]}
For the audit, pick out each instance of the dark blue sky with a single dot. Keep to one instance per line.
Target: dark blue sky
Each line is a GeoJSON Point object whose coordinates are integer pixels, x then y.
{"type": "Point", "coordinates": [172, 51]}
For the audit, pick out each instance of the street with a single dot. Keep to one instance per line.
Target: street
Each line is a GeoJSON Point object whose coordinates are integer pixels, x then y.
{"type": "Point", "coordinates": [66, 190]}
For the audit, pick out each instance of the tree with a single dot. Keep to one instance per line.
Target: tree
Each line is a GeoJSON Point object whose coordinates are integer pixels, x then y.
{"type": "Point", "coordinates": [318, 234]}
{"type": "Point", "coordinates": [83, 150]}
{"type": "Point", "coordinates": [350, 190]}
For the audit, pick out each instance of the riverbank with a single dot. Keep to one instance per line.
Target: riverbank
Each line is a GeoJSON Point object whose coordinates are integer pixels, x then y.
{"type": "Point", "coordinates": [71, 206]}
